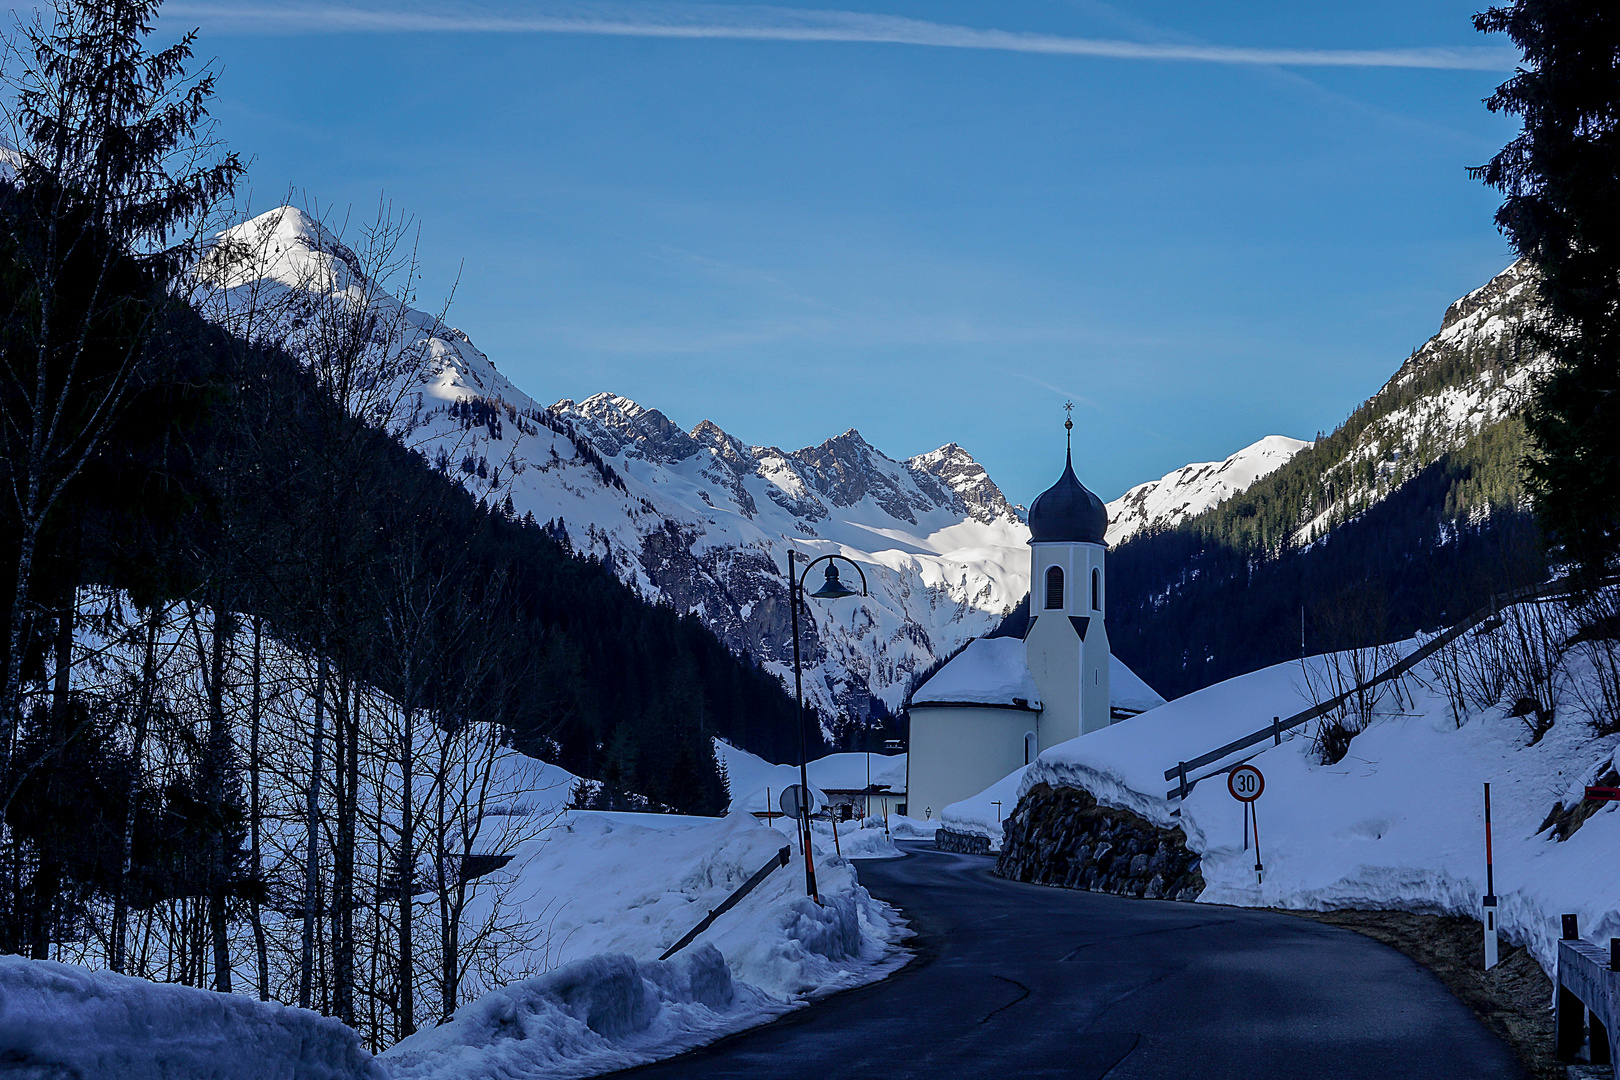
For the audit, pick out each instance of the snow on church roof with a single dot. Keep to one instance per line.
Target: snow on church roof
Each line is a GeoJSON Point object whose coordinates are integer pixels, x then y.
{"type": "Point", "coordinates": [990, 671]}
{"type": "Point", "coordinates": [1126, 690]}
{"type": "Point", "coordinates": [995, 671]}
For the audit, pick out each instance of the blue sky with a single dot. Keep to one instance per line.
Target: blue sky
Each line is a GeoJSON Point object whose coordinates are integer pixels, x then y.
{"type": "Point", "coordinates": [932, 222]}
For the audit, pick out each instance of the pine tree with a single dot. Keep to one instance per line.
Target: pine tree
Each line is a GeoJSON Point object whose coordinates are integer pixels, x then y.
{"type": "Point", "coordinates": [1561, 179]}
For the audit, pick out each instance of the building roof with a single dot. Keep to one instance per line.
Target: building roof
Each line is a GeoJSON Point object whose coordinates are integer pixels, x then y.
{"type": "Point", "coordinates": [1067, 512]}
{"type": "Point", "coordinates": [990, 671]}
{"type": "Point", "coordinates": [995, 672]}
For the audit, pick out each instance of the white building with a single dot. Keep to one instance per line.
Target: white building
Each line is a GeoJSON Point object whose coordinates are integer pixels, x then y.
{"type": "Point", "coordinates": [1001, 701]}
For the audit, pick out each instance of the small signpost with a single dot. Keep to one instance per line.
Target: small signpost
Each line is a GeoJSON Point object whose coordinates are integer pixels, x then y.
{"type": "Point", "coordinates": [1488, 904]}
{"type": "Point", "coordinates": [1246, 783]}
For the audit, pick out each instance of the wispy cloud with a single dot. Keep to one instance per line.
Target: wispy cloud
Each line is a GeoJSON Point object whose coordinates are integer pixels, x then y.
{"type": "Point", "coordinates": [752, 23]}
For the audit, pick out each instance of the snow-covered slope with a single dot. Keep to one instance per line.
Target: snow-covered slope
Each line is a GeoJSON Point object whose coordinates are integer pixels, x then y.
{"type": "Point", "coordinates": [1397, 823]}
{"type": "Point", "coordinates": [1192, 489]}
{"type": "Point", "coordinates": [1473, 374]}
{"type": "Point", "coordinates": [696, 518]}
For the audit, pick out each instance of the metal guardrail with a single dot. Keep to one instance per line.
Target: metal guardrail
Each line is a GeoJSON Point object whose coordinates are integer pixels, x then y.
{"type": "Point", "coordinates": [780, 859]}
{"type": "Point", "coordinates": [1547, 591]}
{"type": "Point", "coordinates": [1588, 1000]}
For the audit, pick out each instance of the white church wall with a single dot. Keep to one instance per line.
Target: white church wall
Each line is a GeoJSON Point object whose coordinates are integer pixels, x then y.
{"type": "Point", "coordinates": [958, 751]}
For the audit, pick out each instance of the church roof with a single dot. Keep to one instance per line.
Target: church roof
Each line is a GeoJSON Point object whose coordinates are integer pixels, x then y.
{"type": "Point", "coordinates": [1067, 513]}
{"type": "Point", "coordinates": [990, 671]}
{"type": "Point", "coordinates": [995, 672]}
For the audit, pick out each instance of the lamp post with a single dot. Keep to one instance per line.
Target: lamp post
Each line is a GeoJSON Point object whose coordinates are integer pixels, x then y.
{"type": "Point", "coordinates": [831, 589]}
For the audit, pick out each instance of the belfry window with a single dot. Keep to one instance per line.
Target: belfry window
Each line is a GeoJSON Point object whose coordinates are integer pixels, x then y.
{"type": "Point", "coordinates": [1096, 589]}
{"type": "Point", "coordinates": [1054, 587]}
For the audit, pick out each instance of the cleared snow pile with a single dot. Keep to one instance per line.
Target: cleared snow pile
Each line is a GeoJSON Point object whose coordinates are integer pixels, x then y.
{"type": "Point", "coordinates": [1397, 822]}
{"type": "Point", "coordinates": [588, 1017]}
{"type": "Point", "coordinates": [910, 828]}
{"type": "Point", "coordinates": [606, 895]}
{"type": "Point", "coordinates": [57, 1020]}
{"type": "Point", "coordinates": [598, 885]}
{"type": "Point", "coordinates": [856, 839]}
{"type": "Point", "coordinates": [982, 814]}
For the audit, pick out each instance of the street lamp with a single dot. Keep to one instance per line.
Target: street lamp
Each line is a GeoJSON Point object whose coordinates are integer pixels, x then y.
{"type": "Point", "coordinates": [831, 589]}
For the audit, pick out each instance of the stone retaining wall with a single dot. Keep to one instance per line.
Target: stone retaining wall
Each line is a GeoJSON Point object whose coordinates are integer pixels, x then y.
{"type": "Point", "coordinates": [1060, 836]}
{"type": "Point", "coordinates": [965, 843]}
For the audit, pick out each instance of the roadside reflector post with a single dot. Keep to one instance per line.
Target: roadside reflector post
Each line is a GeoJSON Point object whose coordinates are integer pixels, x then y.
{"type": "Point", "coordinates": [1488, 904]}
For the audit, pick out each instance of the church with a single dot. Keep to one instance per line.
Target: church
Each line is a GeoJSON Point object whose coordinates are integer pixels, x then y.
{"type": "Point", "coordinates": [1002, 700]}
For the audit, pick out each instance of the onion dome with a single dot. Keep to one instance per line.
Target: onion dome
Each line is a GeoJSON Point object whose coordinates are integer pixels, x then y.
{"type": "Point", "coordinates": [1067, 513]}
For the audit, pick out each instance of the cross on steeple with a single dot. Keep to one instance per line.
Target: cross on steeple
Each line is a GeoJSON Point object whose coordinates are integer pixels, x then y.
{"type": "Point", "coordinates": [1068, 426]}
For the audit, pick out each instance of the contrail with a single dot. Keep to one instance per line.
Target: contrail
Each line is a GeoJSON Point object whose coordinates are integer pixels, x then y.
{"type": "Point", "coordinates": [697, 21]}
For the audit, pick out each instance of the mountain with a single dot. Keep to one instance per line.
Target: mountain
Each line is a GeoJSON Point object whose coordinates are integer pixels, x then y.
{"type": "Point", "coordinates": [695, 519]}
{"type": "Point", "coordinates": [1192, 489]}
{"type": "Point", "coordinates": [1411, 510]}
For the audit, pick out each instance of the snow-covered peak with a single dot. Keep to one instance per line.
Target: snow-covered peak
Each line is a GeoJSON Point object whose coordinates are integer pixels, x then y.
{"type": "Point", "coordinates": [285, 246]}
{"type": "Point", "coordinates": [1192, 489]}
{"type": "Point", "coordinates": [616, 424]}
{"type": "Point", "coordinates": [956, 469]}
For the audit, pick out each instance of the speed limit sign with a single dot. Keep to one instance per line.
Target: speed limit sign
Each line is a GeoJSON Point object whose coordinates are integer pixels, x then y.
{"type": "Point", "coordinates": [1245, 783]}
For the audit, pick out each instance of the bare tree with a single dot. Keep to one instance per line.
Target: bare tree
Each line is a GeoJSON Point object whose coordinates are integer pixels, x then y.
{"type": "Point", "coordinates": [1531, 644]}
{"type": "Point", "coordinates": [1598, 641]}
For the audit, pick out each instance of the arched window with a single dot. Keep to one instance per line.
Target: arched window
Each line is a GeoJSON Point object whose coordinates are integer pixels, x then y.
{"type": "Point", "coordinates": [1029, 747]}
{"type": "Point", "coordinates": [1054, 587]}
{"type": "Point", "coordinates": [1096, 589]}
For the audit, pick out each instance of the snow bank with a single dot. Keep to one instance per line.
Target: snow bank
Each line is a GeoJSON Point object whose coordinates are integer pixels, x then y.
{"type": "Point", "coordinates": [588, 1017]}
{"type": "Point", "coordinates": [602, 886]}
{"type": "Point", "coordinates": [1398, 823]}
{"type": "Point", "coordinates": [58, 1020]}
{"type": "Point", "coordinates": [856, 839]}
{"type": "Point", "coordinates": [910, 828]}
{"type": "Point", "coordinates": [979, 815]}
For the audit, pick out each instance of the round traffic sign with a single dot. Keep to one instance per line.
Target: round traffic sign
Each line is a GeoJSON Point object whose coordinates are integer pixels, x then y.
{"type": "Point", "coordinates": [1245, 783]}
{"type": "Point", "coordinates": [792, 802]}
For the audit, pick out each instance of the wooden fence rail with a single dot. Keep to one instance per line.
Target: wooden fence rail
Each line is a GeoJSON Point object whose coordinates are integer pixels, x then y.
{"type": "Point", "coordinates": [1588, 1000]}
{"type": "Point", "coordinates": [779, 859]}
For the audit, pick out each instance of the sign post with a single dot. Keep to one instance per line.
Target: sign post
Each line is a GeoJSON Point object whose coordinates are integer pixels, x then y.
{"type": "Point", "coordinates": [1488, 904]}
{"type": "Point", "coordinates": [1245, 783]}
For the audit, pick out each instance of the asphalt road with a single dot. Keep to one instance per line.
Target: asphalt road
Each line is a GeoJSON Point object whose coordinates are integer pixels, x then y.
{"type": "Point", "coordinates": [1017, 981]}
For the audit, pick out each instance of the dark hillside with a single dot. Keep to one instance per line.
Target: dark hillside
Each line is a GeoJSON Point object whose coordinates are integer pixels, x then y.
{"type": "Point", "coordinates": [579, 668]}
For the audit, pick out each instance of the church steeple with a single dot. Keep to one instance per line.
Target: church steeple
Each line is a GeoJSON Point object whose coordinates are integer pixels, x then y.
{"type": "Point", "coordinates": [1067, 512]}
{"type": "Point", "coordinates": [1067, 642]}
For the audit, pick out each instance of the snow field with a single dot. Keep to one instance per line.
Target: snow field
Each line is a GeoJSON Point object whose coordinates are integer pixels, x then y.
{"type": "Point", "coordinates": [57, 1020]}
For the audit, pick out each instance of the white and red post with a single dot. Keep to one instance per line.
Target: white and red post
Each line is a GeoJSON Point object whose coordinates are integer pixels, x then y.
{"type": "Point", "coordinates": [1488, 905]}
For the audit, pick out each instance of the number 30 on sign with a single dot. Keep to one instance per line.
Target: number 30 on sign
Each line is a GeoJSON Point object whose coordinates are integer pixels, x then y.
{"type": "Point", "coordinates": [1245, 783]}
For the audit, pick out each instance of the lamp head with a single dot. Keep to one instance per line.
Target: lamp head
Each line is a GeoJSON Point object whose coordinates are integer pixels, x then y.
{"type": "Point", "coordinates": [832, 588]}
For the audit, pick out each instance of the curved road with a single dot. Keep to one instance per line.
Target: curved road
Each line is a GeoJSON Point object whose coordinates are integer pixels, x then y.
{"type": "Point", "coordinates": [1016, 981]}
